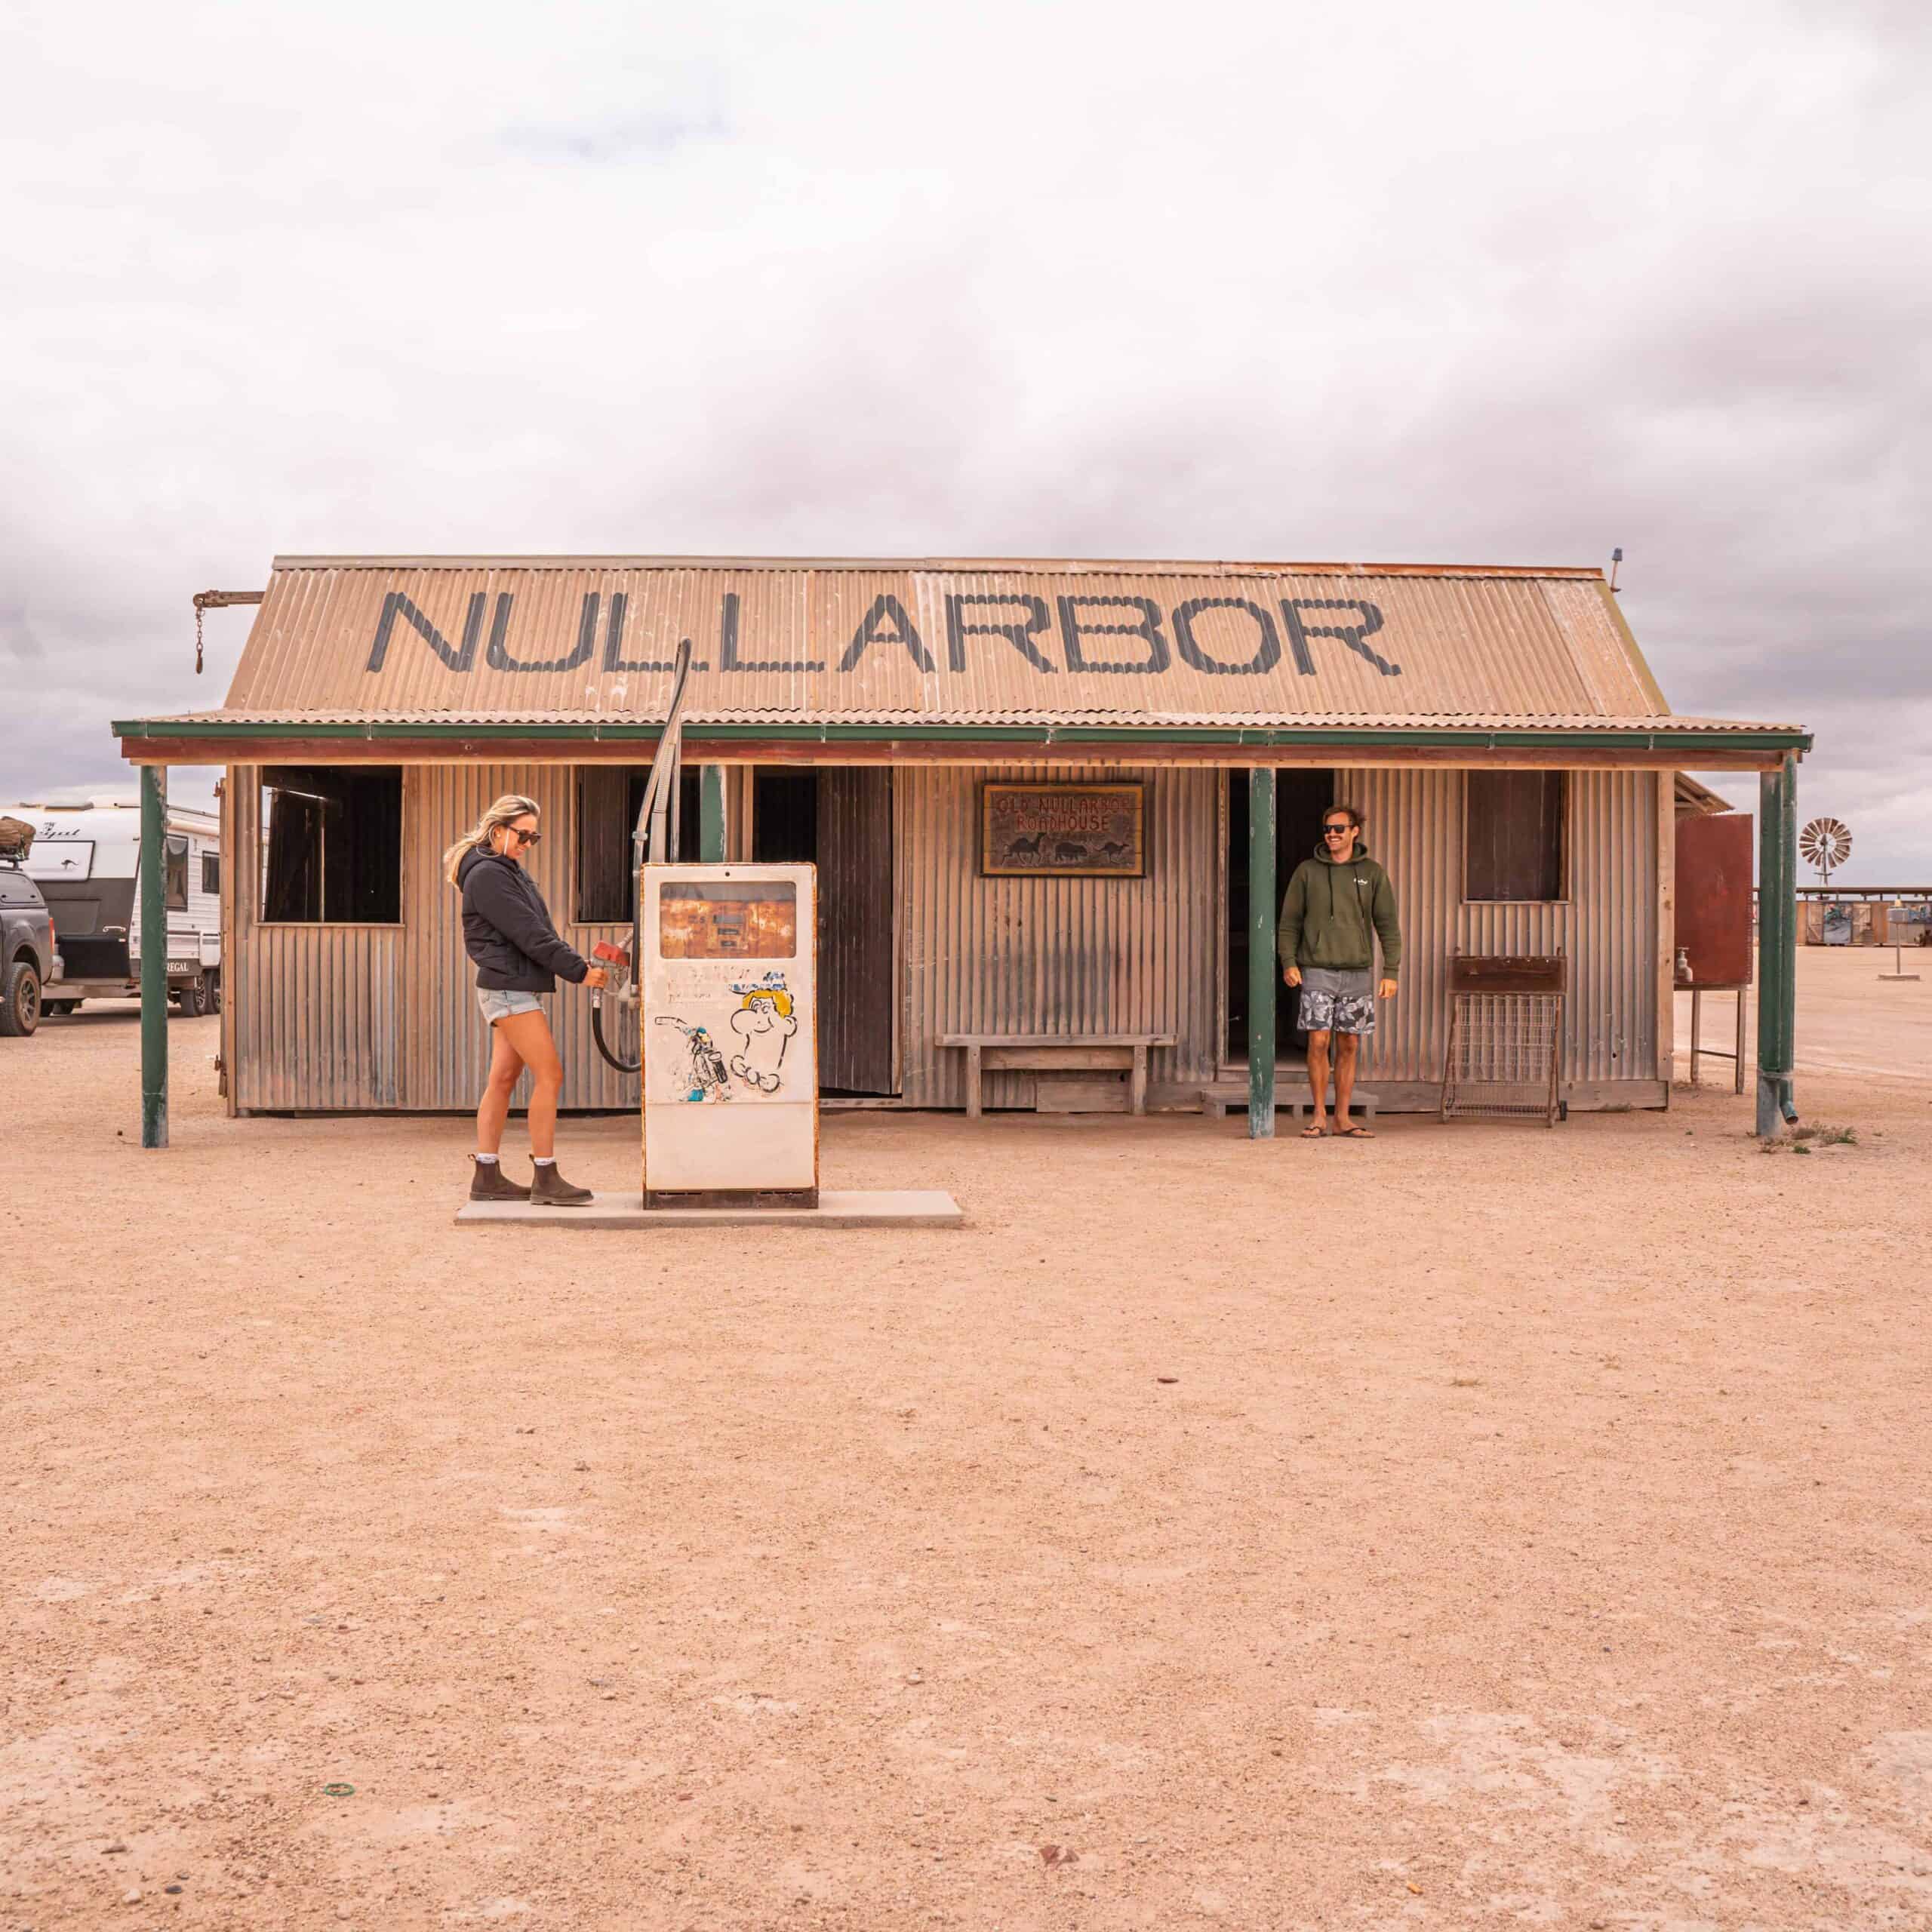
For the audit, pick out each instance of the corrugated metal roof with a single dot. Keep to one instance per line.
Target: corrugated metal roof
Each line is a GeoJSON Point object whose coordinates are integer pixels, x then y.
{"type": "Point", "coordinates": [1698, 799]}
{"type": "Point", "coordinates": [588, 639]}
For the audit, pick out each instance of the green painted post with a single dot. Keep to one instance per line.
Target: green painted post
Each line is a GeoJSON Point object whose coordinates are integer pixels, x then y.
{"type": "Point", "coordinates": [710, 814]}
{"type": "Point", "coordinates": [1263, 973]}
{"type": "Point", "coordinates": [1777, 942]}
{"type": "Point", "coordinates": [154, 958]}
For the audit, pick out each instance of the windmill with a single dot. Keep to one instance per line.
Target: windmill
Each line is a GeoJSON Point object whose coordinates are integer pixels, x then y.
{"type": "Point", "coordinates": [1826, 843]}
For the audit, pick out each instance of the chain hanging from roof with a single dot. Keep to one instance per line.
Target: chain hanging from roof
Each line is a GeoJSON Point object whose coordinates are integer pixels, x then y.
{"type": "Point", "coordinates": [217, 600]}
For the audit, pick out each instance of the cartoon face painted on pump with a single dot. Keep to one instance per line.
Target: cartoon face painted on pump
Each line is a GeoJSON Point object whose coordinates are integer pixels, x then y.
{"type": "Point", "coordinates": [765, 1023]}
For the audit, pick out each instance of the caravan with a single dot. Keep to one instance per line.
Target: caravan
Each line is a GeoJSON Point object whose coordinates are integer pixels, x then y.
{"type": "Point", "coordinates": [86, 859]}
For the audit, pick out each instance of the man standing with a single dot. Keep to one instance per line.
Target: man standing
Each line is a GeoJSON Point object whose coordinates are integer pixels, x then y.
{"type": "Point", "coordinates": [1338, 903]}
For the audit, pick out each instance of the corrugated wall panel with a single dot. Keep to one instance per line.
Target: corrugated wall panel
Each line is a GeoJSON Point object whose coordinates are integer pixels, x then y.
{"type": "Point", "coordinates": [363, 1017]}
{"type": "Point", "coordinates": [1607, 928]}
{"type": "Point", "coordinates": [447, 1044]}
{"type": "Point", "coordinates": [316, 1007]}
{"type": "Point", "coordinates": [1415, 829]}
{"type": "Point", "coordinates": [1053, 955]}
{"type": "Point", "coordinates": [366, 1017]}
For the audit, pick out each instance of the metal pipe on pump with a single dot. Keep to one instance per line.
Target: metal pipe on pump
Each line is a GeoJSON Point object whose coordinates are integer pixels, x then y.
{"type": "Point", "coordinates": [655, 835]}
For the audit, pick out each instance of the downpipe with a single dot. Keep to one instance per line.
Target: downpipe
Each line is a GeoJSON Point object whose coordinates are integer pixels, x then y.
{"type": "Point", "coordinates": [624, 989]}
{"type": "Point", "coordinates": [657, 830]}
{"type": "Point", "coordinates": [1774, 1103]}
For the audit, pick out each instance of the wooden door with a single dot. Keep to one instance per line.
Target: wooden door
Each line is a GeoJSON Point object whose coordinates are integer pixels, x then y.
{"type": "Point", "coordinates": [1714, 881]}
{"type": "Point", "coordinates": [857, 1012]}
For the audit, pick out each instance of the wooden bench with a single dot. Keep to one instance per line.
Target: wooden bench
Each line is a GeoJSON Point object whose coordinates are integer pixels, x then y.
{"type": "Point", "coordinates": [1057, 1052]}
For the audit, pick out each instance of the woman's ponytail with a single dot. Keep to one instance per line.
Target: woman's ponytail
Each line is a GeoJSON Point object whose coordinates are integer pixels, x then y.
{"type": "Point", "coordinates": [506, 811]}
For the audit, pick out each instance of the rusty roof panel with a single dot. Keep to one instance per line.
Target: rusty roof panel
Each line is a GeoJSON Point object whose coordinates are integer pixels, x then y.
{"type": "Point", "coordinates": [586, 639]}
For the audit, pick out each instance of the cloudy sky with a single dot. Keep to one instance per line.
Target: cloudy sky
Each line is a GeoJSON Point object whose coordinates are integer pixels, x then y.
{"type": "Point", "coordinates": [1492, 283]}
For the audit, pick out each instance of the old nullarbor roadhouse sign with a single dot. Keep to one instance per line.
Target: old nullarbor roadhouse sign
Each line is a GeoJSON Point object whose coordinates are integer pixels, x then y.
{"type": "Point", "coordinates": [1071, 831]}
{"type": "Point", "coordinates": [1132, 636]}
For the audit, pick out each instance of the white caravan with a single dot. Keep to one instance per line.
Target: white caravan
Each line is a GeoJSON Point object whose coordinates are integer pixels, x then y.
{"type": "Point", "coordinates": [86, 859]}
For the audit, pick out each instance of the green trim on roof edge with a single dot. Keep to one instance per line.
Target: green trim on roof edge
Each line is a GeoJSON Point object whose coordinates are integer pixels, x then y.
{"type": "Point", "coordinates": [1447, 736]}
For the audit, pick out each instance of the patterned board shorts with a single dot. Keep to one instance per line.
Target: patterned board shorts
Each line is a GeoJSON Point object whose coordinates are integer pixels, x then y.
{"type": "Point", "coordinates": [498, 1004]}
{"type": "Point", "coordinates": [1334, 1002]}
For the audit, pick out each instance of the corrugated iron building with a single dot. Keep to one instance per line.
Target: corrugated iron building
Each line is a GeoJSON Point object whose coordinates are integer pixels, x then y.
{"type": "Point", "coordinates": [897, 689]}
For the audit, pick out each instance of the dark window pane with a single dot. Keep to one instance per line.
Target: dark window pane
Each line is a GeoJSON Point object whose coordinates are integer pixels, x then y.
{"type": "Point", "coordinates": [608, 800]}
{"type": "Point", "coordinates": [174, 871]}
{"type": "Point", "coordinates": [334, 843]}
{"type": "Point", "coordinates": [785, 815]}
{"type": "Point", "coordinates": [210, 871]}
{"type": "Point", "coordinates": [1513, 833]}
{"type": "Point", "coordinates": [607, 797]}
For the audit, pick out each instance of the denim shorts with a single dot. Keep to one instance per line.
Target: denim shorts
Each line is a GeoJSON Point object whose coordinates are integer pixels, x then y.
{"type": "Point", "coordinates": [1333, 1002]}
{"type": "Point", "coordinates": [498, 1005]}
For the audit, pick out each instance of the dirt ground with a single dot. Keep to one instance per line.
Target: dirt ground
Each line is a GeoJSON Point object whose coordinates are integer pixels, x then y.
{"type": "Point", "coordinates": [1481, 1527]}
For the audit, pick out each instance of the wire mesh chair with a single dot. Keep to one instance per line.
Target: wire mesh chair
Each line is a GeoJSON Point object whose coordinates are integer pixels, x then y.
{"type": "Point", "coordinates": [1506, 1039]}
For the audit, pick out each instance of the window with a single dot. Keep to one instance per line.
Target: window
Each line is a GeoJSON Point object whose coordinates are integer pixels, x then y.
{"type": "Point", "coordinates": [210, 871]}
{"type": "Point", "coordinates": [608, 800]}
{"type": "Point", "coordinates": [333, 837]}
{"type": "Point", "coordinates": [174, 870]}
{"type": "Point", "coordinates": [1513, 844]}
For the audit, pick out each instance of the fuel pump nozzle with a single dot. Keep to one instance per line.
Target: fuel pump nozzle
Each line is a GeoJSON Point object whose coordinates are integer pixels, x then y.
{"type": "Point", "coordinates": [622, 992]}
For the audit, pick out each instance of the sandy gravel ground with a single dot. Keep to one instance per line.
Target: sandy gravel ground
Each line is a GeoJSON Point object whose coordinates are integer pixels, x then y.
{"type": "Point", "coordinates": [1485, 1527]}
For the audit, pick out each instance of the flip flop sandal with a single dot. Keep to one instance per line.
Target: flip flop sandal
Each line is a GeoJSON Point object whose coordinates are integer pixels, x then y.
{"type": "Point", "coordinates": [1354, 1133]}
{"type": "Point", "coordinates": [1311, 1132]}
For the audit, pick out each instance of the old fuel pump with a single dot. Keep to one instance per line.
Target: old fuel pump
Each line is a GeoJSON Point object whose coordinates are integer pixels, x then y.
{"type": "Point", "coordinates": [716, 1002]}
{"type": "Point", "coordinates": [728, 976]}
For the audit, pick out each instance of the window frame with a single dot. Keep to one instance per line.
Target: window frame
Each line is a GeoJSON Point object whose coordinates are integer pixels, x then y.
{"type": "Point", "coordinates": [1565, 834]}
{"type": "Point", "coordinates": [637, 775]}
{"type": "Point", "coordinates": [261, 838]}
{"type": "Point", "coordinates": [176, 848]}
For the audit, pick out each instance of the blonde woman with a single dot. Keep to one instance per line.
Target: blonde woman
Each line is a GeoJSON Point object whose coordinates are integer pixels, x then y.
{"type": "Point", "coordinates": [506, 931]}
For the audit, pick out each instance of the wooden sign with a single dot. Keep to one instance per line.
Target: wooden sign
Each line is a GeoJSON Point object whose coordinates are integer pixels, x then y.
{"type": "Point", "coordinates": [1063, 831]}
{"type": "Point", "coordinates": [1474, 973]}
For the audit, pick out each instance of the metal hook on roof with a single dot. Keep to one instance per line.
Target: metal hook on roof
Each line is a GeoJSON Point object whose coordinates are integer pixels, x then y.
{"type": "Point", "coordinates": [217, 600]}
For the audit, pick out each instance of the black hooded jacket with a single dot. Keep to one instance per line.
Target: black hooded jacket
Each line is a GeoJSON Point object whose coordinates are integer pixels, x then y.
{"type": "Point", "coordinates": [506, 928]}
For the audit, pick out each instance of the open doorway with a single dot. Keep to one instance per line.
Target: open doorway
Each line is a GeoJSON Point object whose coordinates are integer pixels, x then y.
{"type": "Point", "coordinates": [1301, 797]}
{"type": "Point", "coordinates": [839, 819]}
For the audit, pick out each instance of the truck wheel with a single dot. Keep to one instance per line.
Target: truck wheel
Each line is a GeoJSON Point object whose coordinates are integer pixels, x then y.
{"type": "Point", "coordinates": [193, 998]}
{"type": "Point", "coordinates": [20, 1001]}
{"type": "Point", "coordinates": [211, 991]}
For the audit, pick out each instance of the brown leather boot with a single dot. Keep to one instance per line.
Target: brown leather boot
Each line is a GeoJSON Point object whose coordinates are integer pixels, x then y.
{"type": "Point", "coordinates": [548, 1189]}
{"type": "Point", "coordinates": [489, 1183]}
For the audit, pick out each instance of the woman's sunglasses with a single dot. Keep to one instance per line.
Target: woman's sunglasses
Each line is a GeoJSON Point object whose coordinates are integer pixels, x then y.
{"type": "Point", "coordinates": [528, 837]}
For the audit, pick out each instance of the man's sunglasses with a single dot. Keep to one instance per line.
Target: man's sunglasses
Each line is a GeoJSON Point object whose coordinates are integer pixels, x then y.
{"type": "Point", "coordinates": [1334, 831]}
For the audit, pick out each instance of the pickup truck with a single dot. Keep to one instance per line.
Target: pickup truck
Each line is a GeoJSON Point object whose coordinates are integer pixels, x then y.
{"type": "Point", "coordinates": [26, 950]}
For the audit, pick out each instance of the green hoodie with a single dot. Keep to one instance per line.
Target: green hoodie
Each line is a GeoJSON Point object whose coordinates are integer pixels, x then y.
{"type": "Point", "coordinates": [1329, 909]}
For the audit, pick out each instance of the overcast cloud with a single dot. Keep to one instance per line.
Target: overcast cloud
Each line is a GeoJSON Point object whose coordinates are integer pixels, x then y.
{"type": "Point", "coordinates": [1494, 283]}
